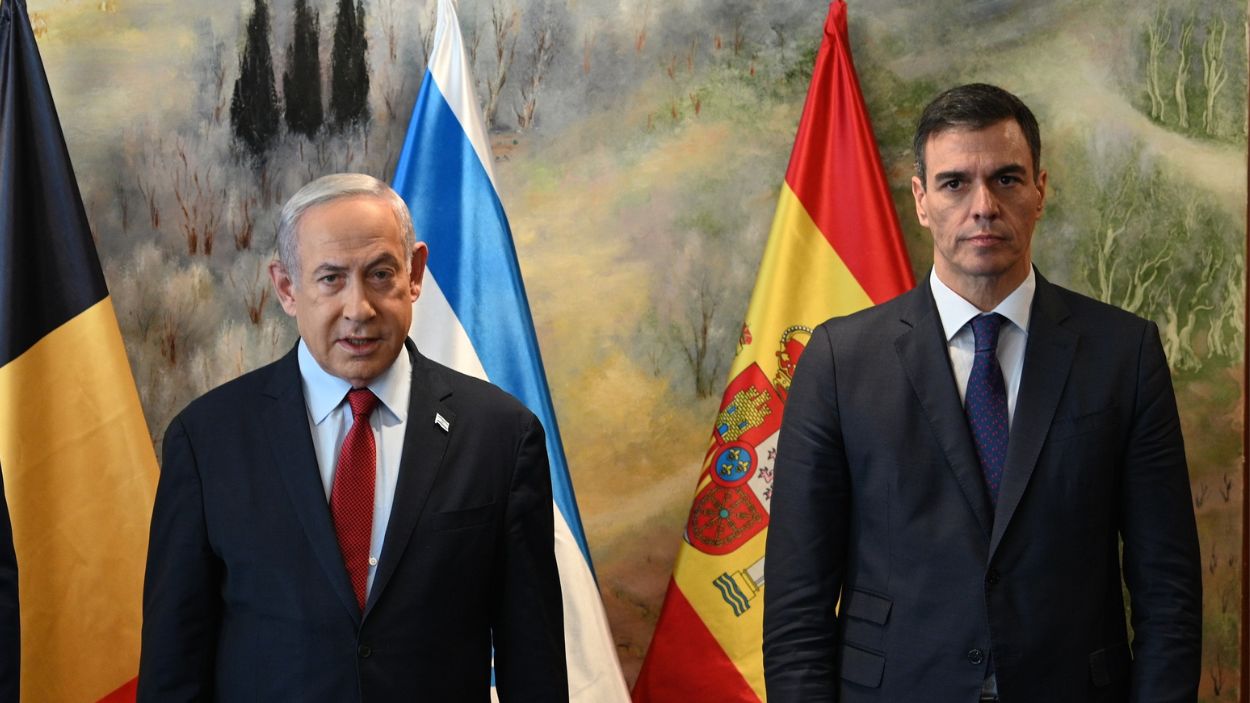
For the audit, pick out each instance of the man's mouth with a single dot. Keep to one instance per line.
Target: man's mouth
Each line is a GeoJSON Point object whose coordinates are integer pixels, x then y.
{"type": "Point", "coordinates": [984, 238]}
{"type": "Point", "coordinates": [358, 343]}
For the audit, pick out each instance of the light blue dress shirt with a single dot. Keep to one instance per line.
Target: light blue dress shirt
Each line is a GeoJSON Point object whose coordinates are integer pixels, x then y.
{"type": "Point", "coordinates": [330, 417]}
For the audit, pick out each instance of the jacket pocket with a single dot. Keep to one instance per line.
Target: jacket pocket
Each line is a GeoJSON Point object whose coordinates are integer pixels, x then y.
{"type": "Point", "coordinates": [1082, 423]}
{"type": "Point", "coordinates": [859, 666]}
{"type": "Point", "coordinates": [863, 619]}
{"type": "Point", "coordinates": [1109, 665]}
{"type": "Point", "coordinates": [462, 519]}
{"type": "Point", "coordinates": [868, 606]}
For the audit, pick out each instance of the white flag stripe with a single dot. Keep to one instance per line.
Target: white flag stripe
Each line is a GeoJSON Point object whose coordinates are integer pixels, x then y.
{"type": "Point", "coordinates": [438, 332]}
{"type": "Point", "coordinates": [588, 642]}
{"type": "Point", "coordinates": [449, 68]}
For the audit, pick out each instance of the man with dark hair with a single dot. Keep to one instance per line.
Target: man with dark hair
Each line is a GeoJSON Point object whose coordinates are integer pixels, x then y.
{"type": "Point", "coordinates": [352, 522]}
{"type": "Point", "coordinates": [975, 106]}
{"type": "Point", "coordinates": [959, 467]}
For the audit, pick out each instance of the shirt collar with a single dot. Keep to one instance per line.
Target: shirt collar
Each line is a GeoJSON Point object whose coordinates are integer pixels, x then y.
{"type": "Point", "coordinates": [323, 392]}
{"type": "Point", "coordinates": [955, 312]}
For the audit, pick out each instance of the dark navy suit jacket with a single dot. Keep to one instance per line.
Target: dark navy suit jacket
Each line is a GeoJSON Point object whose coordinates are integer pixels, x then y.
{"type": "Point", "coordinates": [246, 595]}
{"type": "Point", "coordinates": [879, 502]}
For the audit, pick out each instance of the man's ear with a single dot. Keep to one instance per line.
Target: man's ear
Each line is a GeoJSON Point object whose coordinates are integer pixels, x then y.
{"type": "Point", "coordinates": [1041, 190]}
{"type": "Point", "coordinates": [416, 269]}
{"type": "Point", "coordinates": [283, 285]}
{"type": "Point", "coordinates": [918, 193]}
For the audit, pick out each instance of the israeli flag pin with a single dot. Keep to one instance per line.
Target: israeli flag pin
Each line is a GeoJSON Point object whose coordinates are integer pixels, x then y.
{"type": "Point", "coordinates": [442, 422]}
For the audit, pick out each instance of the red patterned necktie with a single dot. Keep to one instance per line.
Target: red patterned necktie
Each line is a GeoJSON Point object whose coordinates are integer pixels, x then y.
{"type": "Point", "coordinates": [985, 401]}
{"type": "Point", "coordinates": [351, 497]}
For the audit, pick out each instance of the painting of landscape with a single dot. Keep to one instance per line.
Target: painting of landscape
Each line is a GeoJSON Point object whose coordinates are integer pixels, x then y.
{"type": "Point", "coordinates": [639, 150]}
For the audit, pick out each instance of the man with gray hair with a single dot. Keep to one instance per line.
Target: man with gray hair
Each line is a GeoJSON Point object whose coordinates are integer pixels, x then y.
{"type": "Point", "coordinates": [352, 522]}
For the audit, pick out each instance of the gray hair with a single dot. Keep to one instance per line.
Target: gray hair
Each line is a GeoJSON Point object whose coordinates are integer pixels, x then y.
{"type": "Point", "coordinates": [335, 187]}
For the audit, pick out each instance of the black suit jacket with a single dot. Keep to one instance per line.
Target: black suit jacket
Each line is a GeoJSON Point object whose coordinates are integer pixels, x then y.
{"type": "Point", "coordinates": [247, 598]}
{"type": "Point", "coordinates": [879, 501]}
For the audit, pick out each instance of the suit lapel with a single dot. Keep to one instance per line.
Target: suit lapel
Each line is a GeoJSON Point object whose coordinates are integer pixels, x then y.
{"type": "Point", "coordinates": [1047, 360]}
{"type": "Point", "coordinates": [922, 351]}
{"type": "Point", "coordinates": [425, 442]}
{"type": "Point", "coordinates": [296, 462]}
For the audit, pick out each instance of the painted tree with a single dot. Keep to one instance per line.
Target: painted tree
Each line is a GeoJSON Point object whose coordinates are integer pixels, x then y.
{"type": "Point", "coordinates": [1214, 71]}
{"type": "Point", "coordinates": [254, 104]}
{"type": "Point", "coordinates": [1158, 33]}
{"type": "Point", "coordinates": [697, 337]}
{"type": "Point", "coordinates": [301, 81]}
{"type": "Point", "coordinates": [546, 34]}
{"type": "Point", "coordinates": [390, 29]}
{"type": "Point", "coordinates": [1228, 327]}
{"type": "Point", "coordinates": [349, 67]}
{"type": "Point", "coordinates": [217, 85]}
{"type": "Point", "coordinates": [741, 15]}
{"type": "Point", "coordinates": [1182, 73]}
{"type": "Point", "coordinates": [426, 30]}
{"type": "Point", "coordinates": [504, 24]}
{"type": "Point", "coordinates": [389, 79]}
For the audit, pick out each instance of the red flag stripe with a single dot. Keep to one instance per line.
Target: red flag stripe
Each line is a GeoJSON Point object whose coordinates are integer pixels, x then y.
{"type": "Point", "coordinates": [861, 229]}
{"type": "Point", "coordinates": [125, 694]}
{"type": "Point", "coordinates": [705, 673]}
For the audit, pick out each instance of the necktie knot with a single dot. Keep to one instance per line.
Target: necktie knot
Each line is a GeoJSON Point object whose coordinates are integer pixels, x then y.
{"type": "Point", "coordinates": [985, 331]}
{"type": "Point", "coordinates": [363, 401]}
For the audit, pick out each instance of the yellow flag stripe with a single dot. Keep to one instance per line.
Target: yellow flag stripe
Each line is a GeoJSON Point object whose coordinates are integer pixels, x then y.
{"type": "Point", "coordinates": [801, 281]}
{"type": "Point", "coordinates": [80, 476]}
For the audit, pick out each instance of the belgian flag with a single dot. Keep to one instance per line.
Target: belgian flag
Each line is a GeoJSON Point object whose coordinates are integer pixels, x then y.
{"type": "Point", "coordinates": [78, 464]}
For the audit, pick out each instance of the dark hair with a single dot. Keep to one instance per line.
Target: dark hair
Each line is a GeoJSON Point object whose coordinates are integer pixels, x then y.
{"type": "Point", "coordinates": [975, 106]}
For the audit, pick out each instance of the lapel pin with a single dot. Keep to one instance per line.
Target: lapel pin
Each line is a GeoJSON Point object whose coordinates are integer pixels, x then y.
{"type": "Point", "coordinates": [442, 422]}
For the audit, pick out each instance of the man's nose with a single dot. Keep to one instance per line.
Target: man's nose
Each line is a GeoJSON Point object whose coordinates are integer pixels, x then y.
{"type": "Point", "coordinates": [984, 203]}
{"type": "Point", "coordinates": [357, 306]}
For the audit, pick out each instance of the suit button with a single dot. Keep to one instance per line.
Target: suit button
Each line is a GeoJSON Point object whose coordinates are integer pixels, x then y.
{"type": "Point", "coordinates": [975, 656]}
{"type": "Point", "coordinates": [364, 651]}
{"type": "Point", "coordinates": [991, 578]}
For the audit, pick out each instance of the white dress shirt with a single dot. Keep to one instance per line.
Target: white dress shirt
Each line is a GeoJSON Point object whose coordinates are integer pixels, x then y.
{"type": "Point", "coordinates": [956, 313]}
{"type": "Point", "coordinates": [330, 417]}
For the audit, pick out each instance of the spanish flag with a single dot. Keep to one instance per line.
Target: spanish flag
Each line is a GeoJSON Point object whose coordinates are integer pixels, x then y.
{"type": "Point", "coordinates": [835, 248]}
{"type": "Point", "coordinates": [78, 465]}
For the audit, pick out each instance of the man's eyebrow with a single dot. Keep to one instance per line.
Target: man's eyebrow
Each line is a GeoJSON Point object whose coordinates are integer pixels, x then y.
{"type": "Point", "coordinates": [1010, 170]}
{"type": "Point", "coordinates": [331, 267]}
{"type": "Point", "coordinates": [387, 259]}
{"type": "Point", "coordinates": [328, 267]}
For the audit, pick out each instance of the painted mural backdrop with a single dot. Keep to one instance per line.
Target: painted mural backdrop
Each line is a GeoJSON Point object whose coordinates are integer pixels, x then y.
{"type": "Point", "coordinates": [640, 147]}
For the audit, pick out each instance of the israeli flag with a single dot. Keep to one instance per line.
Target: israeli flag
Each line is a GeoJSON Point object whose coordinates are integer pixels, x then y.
{"type": "Point", "coordinates": [474, 317]}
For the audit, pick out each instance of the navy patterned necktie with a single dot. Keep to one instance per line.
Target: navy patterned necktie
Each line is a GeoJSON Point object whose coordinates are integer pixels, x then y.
{"type": "Point", "coordinates": [985, 401]}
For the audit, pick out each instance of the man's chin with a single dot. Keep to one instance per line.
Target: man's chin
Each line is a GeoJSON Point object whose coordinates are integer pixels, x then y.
{"type": "Point", "coordinates": [364, 366]}
{"type": "Point", "coordinates": [357, 377]}
{"type": "Point", "coordinates": [991, 264]}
